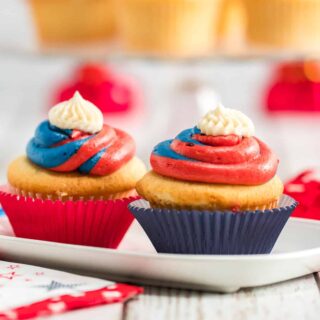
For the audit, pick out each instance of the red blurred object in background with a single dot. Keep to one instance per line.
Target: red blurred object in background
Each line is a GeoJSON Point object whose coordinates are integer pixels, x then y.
{"type": "Point", "coordinates": [295, 87]}
{"type": "Point", "coordinates": [305, 188]}
{"type": "Point", "coordinates": [113, 93]}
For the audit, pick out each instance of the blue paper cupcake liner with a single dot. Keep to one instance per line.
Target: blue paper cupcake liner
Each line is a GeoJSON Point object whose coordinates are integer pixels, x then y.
{"type": "Point", "coordinates": [213, 232]}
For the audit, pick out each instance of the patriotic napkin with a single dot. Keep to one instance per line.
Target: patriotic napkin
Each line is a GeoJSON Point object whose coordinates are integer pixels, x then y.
{"type": "Point", "coordinates": [28, 292]}
{"type": "Point", "coordinates": [305, 188]}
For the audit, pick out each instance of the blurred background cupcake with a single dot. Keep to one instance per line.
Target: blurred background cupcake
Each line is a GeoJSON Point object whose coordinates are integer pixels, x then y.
{"type": "Point", "coordinates": [290, 24]}
{"type": "Point", "coordinates": [232, 22]}
{"type": "Point", "coordinates": [173, 27]}
{"type": "Point", "coordinates": [73, 21]}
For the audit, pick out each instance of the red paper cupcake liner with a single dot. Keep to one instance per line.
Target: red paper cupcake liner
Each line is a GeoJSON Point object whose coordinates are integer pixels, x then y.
{"type": "Point", "coordinates": [99, 223]}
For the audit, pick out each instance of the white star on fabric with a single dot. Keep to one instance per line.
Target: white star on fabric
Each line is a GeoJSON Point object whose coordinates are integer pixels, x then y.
{"type": "Point", "coordinates": [295, 187]}
{"type": "Point", "coordinates": [57, 307]}
{"type": "Point", "coordinates": [11, 315]}
{"type": "Point", "coordinates": [111, 294]}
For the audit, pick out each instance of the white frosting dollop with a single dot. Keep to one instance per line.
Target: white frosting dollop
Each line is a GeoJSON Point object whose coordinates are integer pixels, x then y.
{"type": "Point", "coordinates": [224, 121]}
{"type": "Point", "coordinates": [76, 113]}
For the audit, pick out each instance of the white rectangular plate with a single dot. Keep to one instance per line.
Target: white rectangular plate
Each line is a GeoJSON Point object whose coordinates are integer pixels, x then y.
{"type": "Point", "coordinates": [297, 253]}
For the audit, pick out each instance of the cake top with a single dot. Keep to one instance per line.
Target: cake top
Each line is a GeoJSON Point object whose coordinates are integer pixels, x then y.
{"type": "Point", "coordinates": [76, 113]}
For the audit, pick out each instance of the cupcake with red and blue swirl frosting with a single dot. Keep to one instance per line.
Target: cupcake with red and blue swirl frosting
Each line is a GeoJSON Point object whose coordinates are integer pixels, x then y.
{"type": "Point", "coordinates": [213, 189]}
{"type": "Point", "coordinates": [76, 180]}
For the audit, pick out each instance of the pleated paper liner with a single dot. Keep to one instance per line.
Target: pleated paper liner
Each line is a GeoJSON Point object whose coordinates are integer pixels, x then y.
{"type": "Point", "coordinates": [163, 26]}
{"type": "Point", "coordinates": [286, 24]}
{"type": "Point", "coordinates": [99, 223]}
{"type": "Point", "coordinates": [213, 232]}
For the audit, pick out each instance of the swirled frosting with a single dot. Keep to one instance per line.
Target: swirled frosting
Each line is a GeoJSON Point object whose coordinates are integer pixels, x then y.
{"type": "Point", "coordinates": [78, 143]}
{"type": "Point", "coordinates": [76, 113]}
{"type": "Point", "coordinates": [64, 150]}
{"type": "Point", "coordinates": [225, 159]}
{"type": "Point", "coordinates": [225, 121]}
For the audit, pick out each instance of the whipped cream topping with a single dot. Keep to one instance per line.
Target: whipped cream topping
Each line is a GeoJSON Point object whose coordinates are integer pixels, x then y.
{"type": "Point", "coordinates": [224, 121]}
{"type": "Point", "coordinates": [76, 113]}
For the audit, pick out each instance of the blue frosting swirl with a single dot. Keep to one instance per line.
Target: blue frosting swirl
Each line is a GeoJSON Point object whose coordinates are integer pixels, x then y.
{"type": "Point", "coordinates": [163, 148]}
{"type": "Point", "coordinates": [41, 152]}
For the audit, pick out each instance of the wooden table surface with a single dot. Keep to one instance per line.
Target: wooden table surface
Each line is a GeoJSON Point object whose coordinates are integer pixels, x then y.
{"type": "Point", "coordinates": [297, 299]}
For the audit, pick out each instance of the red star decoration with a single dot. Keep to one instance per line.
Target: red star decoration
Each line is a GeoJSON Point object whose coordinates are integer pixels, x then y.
{"type": "Point", "coordinates": [9, 275]}
{"type": "Point", "coordinates": [13, 266]}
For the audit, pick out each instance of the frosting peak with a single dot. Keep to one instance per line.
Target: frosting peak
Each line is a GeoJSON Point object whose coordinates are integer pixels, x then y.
{"type": "Point", "coordinates": [76, 113]}
{"type": "Point", "coordinates": [224, 121]}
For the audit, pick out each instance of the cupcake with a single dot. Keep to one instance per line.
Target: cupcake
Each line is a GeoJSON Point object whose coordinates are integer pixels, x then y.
{"type": "Point", "coordinates": [231, 26]}
{"type": "Point", "coordinates": [76, 181]}
{"type": "Point", "coordinates": [290, 24]}
{"type": "Point", "coordinates": [213, 190]}
{"type": "Point", "coordinates": [170, 27]}
{"type": "Point", "coordinates": [67, 21]}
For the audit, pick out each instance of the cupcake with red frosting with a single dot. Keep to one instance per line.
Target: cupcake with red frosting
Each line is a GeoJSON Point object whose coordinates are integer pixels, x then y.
{"type": "Point", "coordinates": [213, 189]}
{"type": "Point", "coordinates": [76, 180]}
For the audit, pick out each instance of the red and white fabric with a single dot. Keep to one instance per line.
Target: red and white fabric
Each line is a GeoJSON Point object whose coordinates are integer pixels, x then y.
{"type": "Point", "coordinates": [28, 292]}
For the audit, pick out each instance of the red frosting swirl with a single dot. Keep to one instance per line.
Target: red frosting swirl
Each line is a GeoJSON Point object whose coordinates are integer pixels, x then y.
{"type": "Point", "coordinates": [111, 147]}
{"type": "Point", "coordinates": [222, 159]}
{"type": "Point", "coordinates": [72, 150]}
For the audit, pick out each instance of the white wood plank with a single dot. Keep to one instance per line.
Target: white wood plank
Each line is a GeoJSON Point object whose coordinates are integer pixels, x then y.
{"type": "Point", "coordinates": [164, 303]}
{"type": "Point", "coordinates": [297, 299]}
